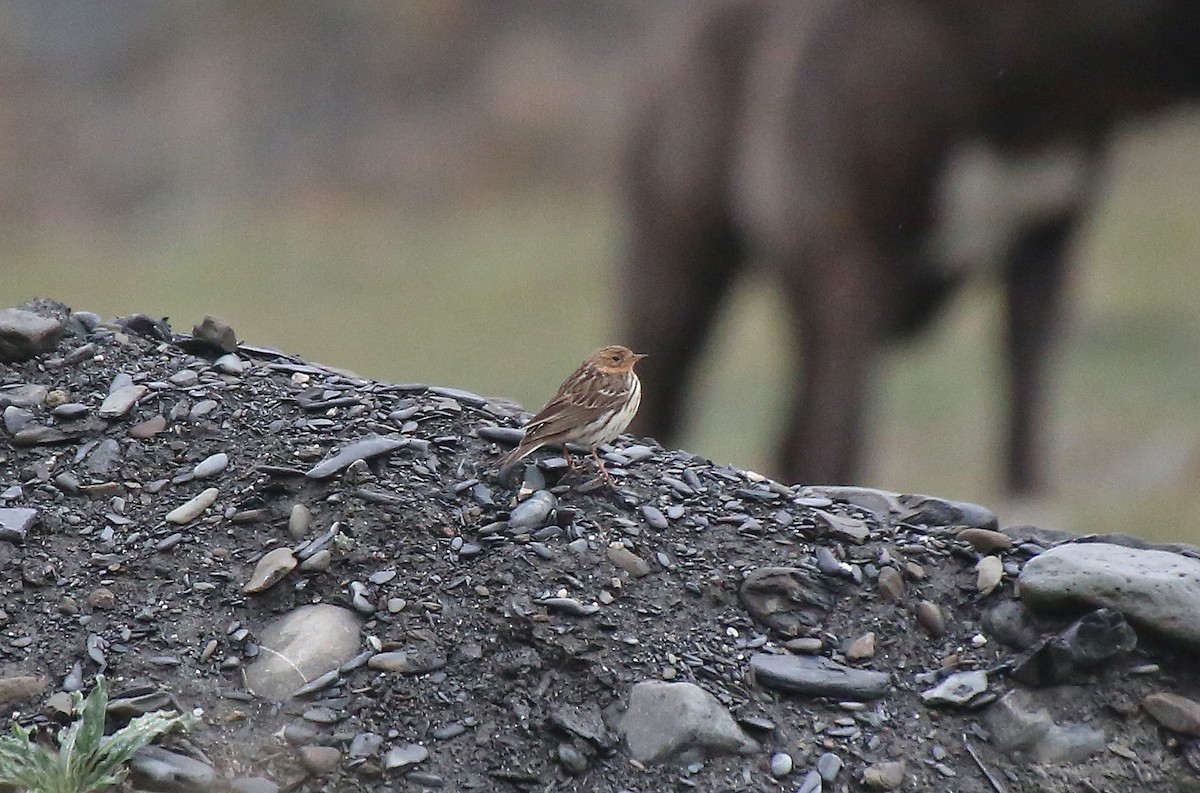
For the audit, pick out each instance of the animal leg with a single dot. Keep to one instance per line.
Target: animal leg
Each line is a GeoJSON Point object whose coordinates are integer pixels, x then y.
{"type": "Point", "coordinates": [1034, 280]}
{"type": "Point", "coordinates": [836, 313]}
{"type": "Point", "coordinates": [678, 161]}
{"type": "Point", "coordinates": [603, 471]}
{"type": "Point", "coordinates": [680, 279]}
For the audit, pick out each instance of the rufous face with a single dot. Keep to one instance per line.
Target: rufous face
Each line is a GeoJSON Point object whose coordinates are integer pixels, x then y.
{"type": "Point", "coordinates": [615, 358]}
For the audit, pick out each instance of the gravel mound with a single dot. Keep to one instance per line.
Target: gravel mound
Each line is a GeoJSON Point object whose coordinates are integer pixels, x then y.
{"type": "Point", "coordinates": [327, 569]}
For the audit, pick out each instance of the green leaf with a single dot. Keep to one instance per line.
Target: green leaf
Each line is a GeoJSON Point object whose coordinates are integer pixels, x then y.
{"type": "Point", "coordinates": [124, 743]}
{"type": "Point", "coordinates": [81, 740]}
{"type": "Point", "coordinates": [84, 761]}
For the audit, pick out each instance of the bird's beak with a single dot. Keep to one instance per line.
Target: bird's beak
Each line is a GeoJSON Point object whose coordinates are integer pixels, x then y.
{"type": "Point", "coordinates": [637, 356]}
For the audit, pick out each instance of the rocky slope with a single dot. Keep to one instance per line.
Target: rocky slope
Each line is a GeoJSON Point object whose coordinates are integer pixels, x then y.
{"type": "Point", "coordinates": [326, 569]}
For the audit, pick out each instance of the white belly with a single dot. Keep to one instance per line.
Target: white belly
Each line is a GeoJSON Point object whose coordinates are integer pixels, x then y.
{"type": "Point", "coordinates": [606, 430]}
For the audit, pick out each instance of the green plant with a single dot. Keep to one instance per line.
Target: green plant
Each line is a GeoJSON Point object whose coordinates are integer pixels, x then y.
{"type": "Point", "coordinates": [84, 761]}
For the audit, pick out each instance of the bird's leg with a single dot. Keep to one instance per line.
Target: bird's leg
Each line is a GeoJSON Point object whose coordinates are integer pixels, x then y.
{"type": "Point", "coordinates": [603, 471]}
{"type": "Point", "coordinates": [570, 462]}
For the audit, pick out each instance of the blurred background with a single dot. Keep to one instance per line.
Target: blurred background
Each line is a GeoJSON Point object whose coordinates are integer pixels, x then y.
{"type": "Point", "coordinates": [425, 191]}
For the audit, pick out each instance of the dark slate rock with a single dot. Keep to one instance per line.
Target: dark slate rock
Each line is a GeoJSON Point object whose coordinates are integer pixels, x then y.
{"type": "Point", "coordinates": [818, 677]}
{"type": "Point", "coordinates": [216, 333]}
{"type": "Point", "coordinates": [1087, 644]}
{"type": "Point", "coordinates": [17, 419]}
{"type": "Point", "coordinates": [508, 436]}
{"type": "Point", "coordinates": [930, 511]}
{"type": "Point", "coordinates": [70, 411]}
{"type": "Point", "coordinates": [785, 599]}
{"type": "Point", "coordinates": [24, 334]}
{"type": "Point", "coordinates": [143, 325]}
{"type": "Point", "coordinates": [466, 397]}
{"type": "Point", "coordinates": [363, 449]}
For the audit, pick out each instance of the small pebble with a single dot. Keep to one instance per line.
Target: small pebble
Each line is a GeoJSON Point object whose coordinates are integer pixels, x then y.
{"type": "Point", "coordinates": [148, 428]}
{"type": "Point", "coordinates": [190, 510]}
{"type": "Point", "coordinates": [929, 617]}
{"type": "Point", "coordinates": [989, 572]}
{"type": "Point", "coordinates": [119, 402]}
{"type": "Point", "coordinates": [320, 760]}
{"type": "Point", "coordinates": [319, 562]}
{"type": "Point", "coordinates": [828, 766]}
{"type": "Point", "coordinates": [781, 764]}
{"type": "Point", "coordinates": [299, 520]}
{"type": "Point", "coordinates": [405, 755]}
{"type": "Point", "coordinates": [271, 568]}
{"type": "Point", "coordinates": [211, 466]}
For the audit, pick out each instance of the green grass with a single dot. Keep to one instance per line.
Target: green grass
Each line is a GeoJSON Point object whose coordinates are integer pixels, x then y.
{"type": "Point", "coordinates": [505, 298]}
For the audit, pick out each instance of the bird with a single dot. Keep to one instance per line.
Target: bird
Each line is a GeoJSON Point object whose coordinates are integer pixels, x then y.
{"type": "Point", "coordinates": [592, 407]}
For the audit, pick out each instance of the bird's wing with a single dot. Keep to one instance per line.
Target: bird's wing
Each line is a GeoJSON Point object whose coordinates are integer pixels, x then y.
{"type": "Point", "coordinates": [561, 415]}
{"type": "Point", "coordinates": [583, 398]}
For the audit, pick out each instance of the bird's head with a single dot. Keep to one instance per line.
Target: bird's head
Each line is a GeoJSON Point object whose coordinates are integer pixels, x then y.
{"type": "Point", "coordinates": [615, 359]}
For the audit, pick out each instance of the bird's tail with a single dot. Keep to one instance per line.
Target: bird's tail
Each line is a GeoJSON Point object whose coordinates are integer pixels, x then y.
{"type": "Point", "coordinates": [508, 461]}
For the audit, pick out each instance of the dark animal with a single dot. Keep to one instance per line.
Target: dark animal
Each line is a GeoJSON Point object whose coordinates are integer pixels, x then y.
{"type": "Point", "coordinates": [864, 153]}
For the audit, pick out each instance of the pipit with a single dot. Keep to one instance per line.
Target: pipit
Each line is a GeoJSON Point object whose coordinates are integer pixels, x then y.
{"type": "Point", "coordinates": [592, 407]}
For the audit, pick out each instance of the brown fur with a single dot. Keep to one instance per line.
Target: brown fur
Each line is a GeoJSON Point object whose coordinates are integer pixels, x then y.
{"type": "Point", "coordinates": [809, 138]}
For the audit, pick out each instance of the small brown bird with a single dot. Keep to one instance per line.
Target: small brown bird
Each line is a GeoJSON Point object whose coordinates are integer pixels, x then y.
{"type": "Point", "coordinates": [592, 407]}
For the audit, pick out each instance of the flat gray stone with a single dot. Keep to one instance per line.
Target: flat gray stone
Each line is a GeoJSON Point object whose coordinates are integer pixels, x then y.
{"type": "Point", "coordinates": [184, 378]}
{"type": "Point", "coordinates": [932, 511]}
{"type": "Point", "coordinates": [1020, 724]}
{"type": "Point", "coordinates": [84, 322]}
{"type": "Point", "coordinates": [532, 512]}
{"type": "Point", "coordinates": [119, 402]}
{"type": "Point", "coordinates": [156, 769]}
{"type": "Point", "coordinates": [15, 523]}
{"type": "Point", "coordinates": [1156, 589]}
{"type": "Point", "coordinates": [844, 527]}
{"type": "Point", "coordinates": [16, 419]}
{"type": "Point", "coordinates": [881, 502]}
{"type": "Point", "coordinates": [320, 760]}
{"type": "Point", "coordinates": [912, 508]}
{"type": "Point", "coordinates": [406, 755]}
{"type": "Point", "coordinates": [253, 784]}
{"type": "Point", "coordinates": [957, 689]}
{"type": "Point", "coordinates": [301, 646]}
{"type": "Point", "coordinates": [104, 458]}
{"type": "Point", "coordinates": [23, 395]}
{"type": "Point", "coordinates": [679, 721]}
{"type": "Point", "coordinates": [1069, 743]}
